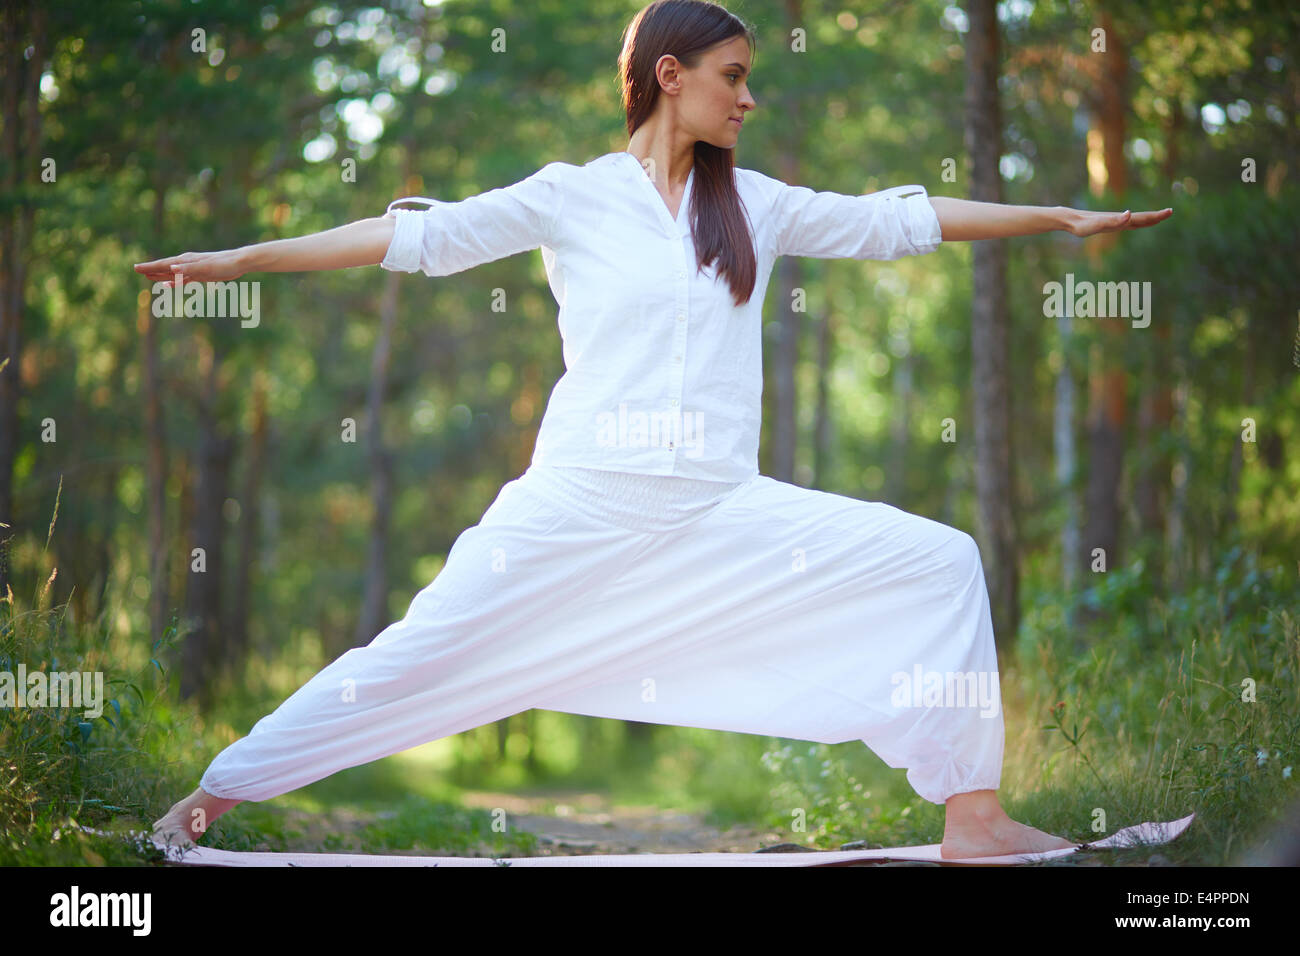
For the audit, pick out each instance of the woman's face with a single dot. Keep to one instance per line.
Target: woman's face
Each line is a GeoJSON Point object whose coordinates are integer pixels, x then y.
{"type": "Point", "coordinates": [715, 94]}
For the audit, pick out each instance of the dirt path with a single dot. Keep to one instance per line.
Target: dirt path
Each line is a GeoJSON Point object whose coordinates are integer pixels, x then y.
{"type": "Point", "coordinates": [578, 823]}
{"type": "Point", "coordinates": [565, 824]}
{"type": "Point", "coordinates": [589, 823]}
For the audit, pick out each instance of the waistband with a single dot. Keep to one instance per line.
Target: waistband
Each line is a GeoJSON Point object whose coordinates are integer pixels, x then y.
{"type": "Point", "coordinates": [627, 499]}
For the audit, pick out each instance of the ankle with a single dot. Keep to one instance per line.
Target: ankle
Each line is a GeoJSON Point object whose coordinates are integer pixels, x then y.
{"type": "Point", "coordinates": [975, 808]}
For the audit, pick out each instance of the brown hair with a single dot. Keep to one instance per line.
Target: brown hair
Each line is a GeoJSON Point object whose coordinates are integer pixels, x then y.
{"type": "Point", "coordinates": [686, 28]}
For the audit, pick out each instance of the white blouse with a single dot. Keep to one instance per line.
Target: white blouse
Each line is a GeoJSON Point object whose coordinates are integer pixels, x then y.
{"type": "Point", "coordinates": [663, 372]}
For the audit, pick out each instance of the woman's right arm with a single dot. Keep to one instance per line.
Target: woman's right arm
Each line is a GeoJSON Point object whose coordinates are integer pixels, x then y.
{"type": "Point", "coordinates": [361, 243]}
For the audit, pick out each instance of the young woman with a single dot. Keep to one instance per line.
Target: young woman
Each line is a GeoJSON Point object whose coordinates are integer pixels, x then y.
{"type": "Point", "coordinates": [641, 568]}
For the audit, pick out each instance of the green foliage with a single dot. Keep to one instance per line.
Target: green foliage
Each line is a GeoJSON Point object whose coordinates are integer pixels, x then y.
{"type": "Point", "coordinates": [817, 800]}
{"type": "Point", "coordinates": [875, 100]}
{"type": "Point", "coordinates": [61, 770]}
{"type": "Point", "coordinates": [1156, 711]}
{"type": "Point", "coordinates": [439, 830]}
{"type": "Point", "coordinates": [1154, 717]}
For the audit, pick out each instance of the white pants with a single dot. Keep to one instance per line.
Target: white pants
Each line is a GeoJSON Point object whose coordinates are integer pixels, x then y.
{"type": "Point", "coordinates": [760, 607]}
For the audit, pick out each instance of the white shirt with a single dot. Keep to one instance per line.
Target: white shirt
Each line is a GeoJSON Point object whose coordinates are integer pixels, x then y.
{"type": "Point", "coordinates": [663, 372]}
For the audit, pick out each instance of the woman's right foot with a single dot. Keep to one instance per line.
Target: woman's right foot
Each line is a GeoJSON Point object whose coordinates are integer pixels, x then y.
{"type": "Point", "coordinates": [188, 819]}
{"type": "Point", "coordinates": [172, 831]}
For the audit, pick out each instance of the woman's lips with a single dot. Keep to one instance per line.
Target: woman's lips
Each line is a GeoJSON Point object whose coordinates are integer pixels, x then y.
{"type": "Point", "coordinates": [736, 121]}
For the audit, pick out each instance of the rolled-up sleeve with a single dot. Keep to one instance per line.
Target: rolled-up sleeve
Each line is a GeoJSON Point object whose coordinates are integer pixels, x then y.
{"type": "Point", "coordinates": [888, 224]}
{"type": "Point", "coordinates": [451, 237]}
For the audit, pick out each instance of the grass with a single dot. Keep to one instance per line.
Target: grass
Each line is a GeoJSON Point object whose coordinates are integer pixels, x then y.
{"type": "Point", "coordinates": [1158, 709]}
{"type": "Point", "coordinates": [1193, 709]}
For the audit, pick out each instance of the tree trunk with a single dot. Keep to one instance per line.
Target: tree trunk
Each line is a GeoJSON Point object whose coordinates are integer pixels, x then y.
{"type": "Point", "coordinates": [204, 594]}
{"type": "Point", "coordinates": [249, 528]}
{"type": "Point", "coordinates": [1177, 565]}
{"type": "Point", "coordinates": [1155, 412]}
{"type": "Point", "coordinates": [1063, 432]}
{"type": "Point", "coordinates": [1108, 410]}
{"type": "Point", "coordinates": [990, 341]}
{"type": "Point", "coordinates": [22, 135]}
{"type": "Point", "coordinates": [785, 355]}
{"type": "Point", "coordinates": [374, 605]}
{"type": "Point", "coordinates": [156, 450]}
{"type": "Point", "coordinates": [821, 421]}
{"type": "Point", "coordinates": [373, 616]}
{"type": "Point", "coordinates": [1108, 381]}
{"type": "Point", "coordinates": [897, 493]}
{"type": "Point", "coordinates": [1156, 409]}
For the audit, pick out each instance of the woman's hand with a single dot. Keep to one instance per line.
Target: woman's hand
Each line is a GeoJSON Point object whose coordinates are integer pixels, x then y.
{"type": "Point", "coordinates": [1082, 222]}
{"type": "Point", "coordinates": [361, 243]}
{"type": "Point", "coordinates": [967, 219]}
{"type": "Point", "coordinates": [196, 266]}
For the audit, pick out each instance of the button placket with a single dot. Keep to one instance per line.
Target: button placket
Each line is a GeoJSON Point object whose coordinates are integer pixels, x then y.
{"type": "Point", "coordinates": [676, 375]}
{"type": "Point", "coordinates": [677, 356]}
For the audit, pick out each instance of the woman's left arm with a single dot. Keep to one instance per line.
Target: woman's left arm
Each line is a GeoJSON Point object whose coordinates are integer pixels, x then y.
{"type": "Point", "coordinates": [964, 219]}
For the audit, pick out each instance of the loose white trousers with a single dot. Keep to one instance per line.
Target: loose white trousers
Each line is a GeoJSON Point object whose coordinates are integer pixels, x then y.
{"type": "Point", "coordinates": [760, 607]}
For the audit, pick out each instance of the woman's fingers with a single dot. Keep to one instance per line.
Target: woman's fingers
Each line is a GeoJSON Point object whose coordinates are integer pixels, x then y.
{"type": "Point", "coordinates": [158, 269]}
{"type": "Point", "coordinates": [1095, 222]}
{"type": "Point", "coordinates": [156, 265]}
{"type": "Point", "coordinates": [196, 266]}
{"type": "Point", "coordinates": [1141, 220]}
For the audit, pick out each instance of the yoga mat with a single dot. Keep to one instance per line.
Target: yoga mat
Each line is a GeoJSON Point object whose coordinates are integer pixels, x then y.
{"type": "Point", "coordinates": [1148, 834]}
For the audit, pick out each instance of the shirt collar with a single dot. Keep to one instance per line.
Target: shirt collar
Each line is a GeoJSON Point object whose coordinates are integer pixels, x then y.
{"type": "Point", "coordinates": [674, 226]}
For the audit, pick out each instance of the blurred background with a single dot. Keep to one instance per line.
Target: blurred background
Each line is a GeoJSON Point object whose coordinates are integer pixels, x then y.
{"type": "Point", "coordinates": [1135, 490]}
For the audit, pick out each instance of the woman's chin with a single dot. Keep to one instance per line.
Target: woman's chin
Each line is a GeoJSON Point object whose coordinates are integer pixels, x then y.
{"type": "Point", "coordinates": [725, 142]}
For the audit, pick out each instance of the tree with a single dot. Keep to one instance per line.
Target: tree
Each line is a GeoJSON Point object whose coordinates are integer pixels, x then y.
{"type": "Point", "coordinates": [24, 28]}
{"type": "Point", "coordinates": [990, 330]}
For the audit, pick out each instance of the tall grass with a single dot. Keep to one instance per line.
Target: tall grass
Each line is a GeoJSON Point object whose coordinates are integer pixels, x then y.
{"type": "Point", "coordinates": [1174, 706]}
{"type": "Point", "coordinates": [1159, 708]}
{"type": "Point", "coordinates": [123, 769]}
{"type": "Point", "coordinates": [59, 769]}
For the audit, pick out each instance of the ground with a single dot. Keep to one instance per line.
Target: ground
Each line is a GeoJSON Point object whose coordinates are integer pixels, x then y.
{"type": "Point", "coordinates": [582, 822]}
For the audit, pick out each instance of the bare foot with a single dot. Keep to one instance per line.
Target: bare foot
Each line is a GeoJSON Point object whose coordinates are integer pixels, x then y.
{"type": "Point", "coordinates": [997, 837]}
{"type": "Point", "coordinates": [188, 819]}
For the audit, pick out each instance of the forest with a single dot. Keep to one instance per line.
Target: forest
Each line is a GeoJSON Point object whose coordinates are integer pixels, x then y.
{"type": "Point", "coordinates": [208, 510]}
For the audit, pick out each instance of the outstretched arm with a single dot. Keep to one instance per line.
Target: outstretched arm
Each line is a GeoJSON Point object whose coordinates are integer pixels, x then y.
{"type": "Point", "coordinates": [360, 243]}
{"type": "Point", "coordinates": [965, 219]}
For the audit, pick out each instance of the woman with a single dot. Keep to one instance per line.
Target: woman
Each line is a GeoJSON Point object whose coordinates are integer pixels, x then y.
{"type": "Point", "coordinates": [641, 568]}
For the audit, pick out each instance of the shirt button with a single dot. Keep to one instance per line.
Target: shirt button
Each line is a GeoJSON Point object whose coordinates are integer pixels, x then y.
{"type": "Point", "coordinates": [677, 359]}
{"type": "Point", "coordinates": [674, 403]}
{"type": "Point", "coordinates": [681, 274]}
{"type": "Point", "coordinates": [670, 446]}
{"type": "Point", "coordinates": [680, 317]}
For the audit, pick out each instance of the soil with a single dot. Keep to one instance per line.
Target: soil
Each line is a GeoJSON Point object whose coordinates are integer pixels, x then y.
{"type": "Point", "coordinates": [580, 823]}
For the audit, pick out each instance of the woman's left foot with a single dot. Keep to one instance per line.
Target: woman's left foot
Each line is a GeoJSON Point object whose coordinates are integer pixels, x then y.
{"type": "Point", "coordinates": [1001, 837]}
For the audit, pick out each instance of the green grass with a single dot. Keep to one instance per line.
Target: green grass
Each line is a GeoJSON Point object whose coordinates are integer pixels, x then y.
{"type": "Point", "coordinates": [1147, 724]}
{"type": "Point", "coordinates": [1145, 714]}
